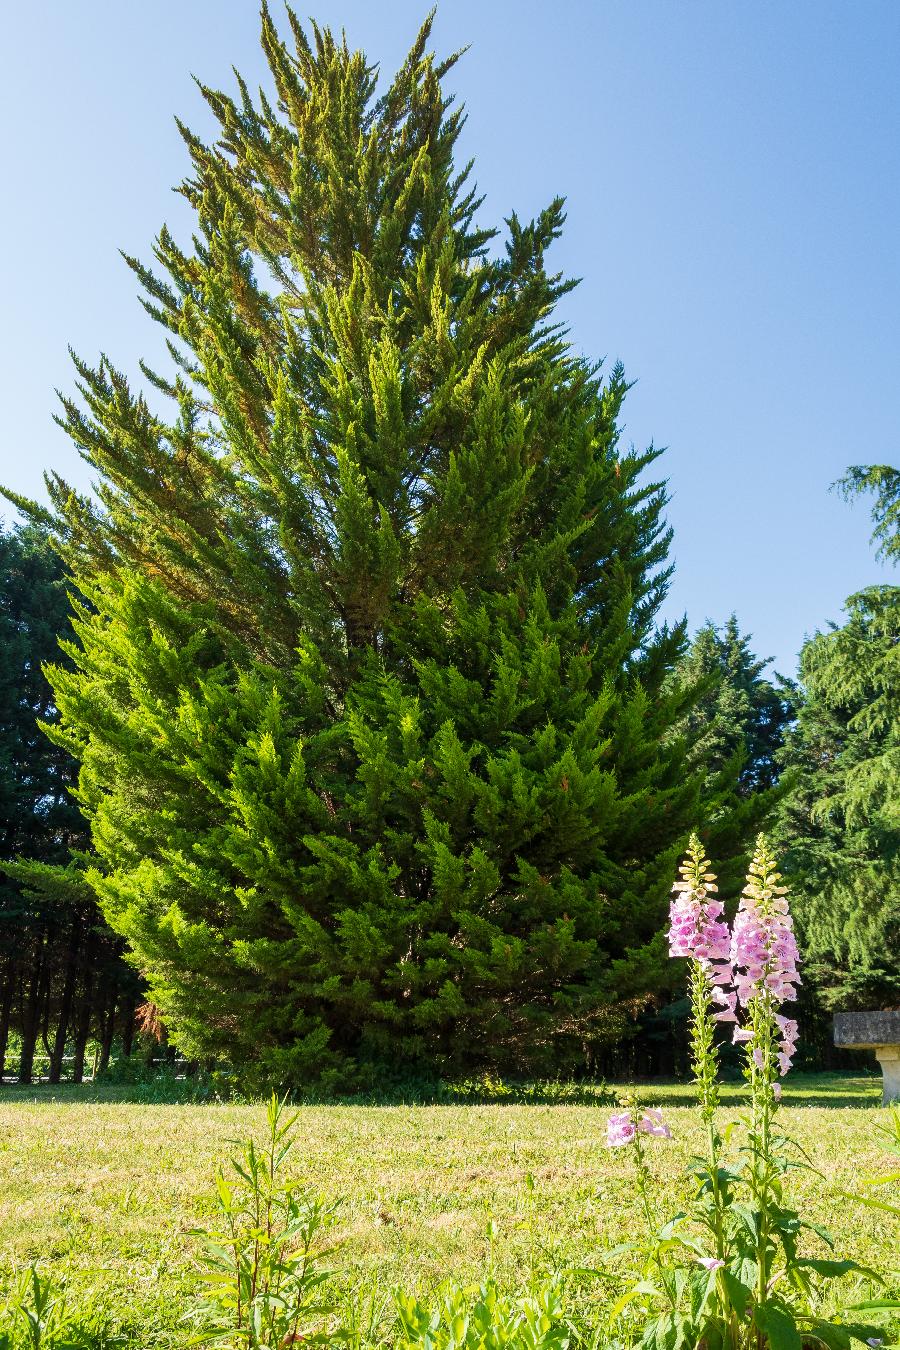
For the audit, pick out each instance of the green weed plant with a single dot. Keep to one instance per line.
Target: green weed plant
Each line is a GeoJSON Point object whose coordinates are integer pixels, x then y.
{"type": "Point", "coordinates": [266, 1258]}
{"type": "Point", "coordinates": [39, 1316]}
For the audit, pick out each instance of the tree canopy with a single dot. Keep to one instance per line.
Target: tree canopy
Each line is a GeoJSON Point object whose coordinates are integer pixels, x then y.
{"type": "Point", "coordinates": [841, 823]}
{"type": "Point", "coordinates": [734, 728]}
{"type": "Point", "coordinates": [378, 745]}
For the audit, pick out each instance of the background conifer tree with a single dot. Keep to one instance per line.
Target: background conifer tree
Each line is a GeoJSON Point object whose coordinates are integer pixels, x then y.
{"type": "Point", "coordinates": [735, 730]}
{"type": "Point", "coordinates": [841, 822]}
{"type": "Point", "coordinates": [740, 713]}
{"type": "Point", "coordinates": [370, 703]}
{"type": "Point", "coordinates": [62, 979]}
{"type": "Point", "coordinates": [844, 866]}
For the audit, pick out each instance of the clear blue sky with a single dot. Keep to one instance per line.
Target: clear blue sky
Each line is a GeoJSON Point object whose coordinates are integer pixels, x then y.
{"type": "Point", "coordinates": [733, 195]}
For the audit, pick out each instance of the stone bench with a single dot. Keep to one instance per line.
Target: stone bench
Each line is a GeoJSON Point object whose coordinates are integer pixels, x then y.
{"type": "Point", "coordinates": [878, 1031]}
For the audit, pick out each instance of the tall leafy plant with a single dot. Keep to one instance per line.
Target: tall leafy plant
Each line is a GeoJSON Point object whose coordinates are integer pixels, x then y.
{"type": "Point", "coordinates": [265, 1260]}
{"type": "Point", "coordinates": [730, 1272]}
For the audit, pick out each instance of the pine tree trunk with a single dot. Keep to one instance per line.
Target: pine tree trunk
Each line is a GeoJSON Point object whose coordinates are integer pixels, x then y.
{"type": "Point", "coordinates": [128, 1029]}
{"type": "Point", "coordinates": [45, 1011]}
{"type": "Point", "coordinates": [31, 1021]}
{"type": "Point", "coordinates": [109, 1027]}
{"type": "Point", "coordinates": [83, 1025]}
{"type": "Point", "coordinates": [65, 1006]}
{"type": "Point", "coordinates": [5, 1011]}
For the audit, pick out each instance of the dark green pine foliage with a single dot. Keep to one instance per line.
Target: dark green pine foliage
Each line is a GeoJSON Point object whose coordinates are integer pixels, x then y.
{"type": "Point", "coordinates": [841, 824]}
{"type": "Point", "coordinates": [38, 820]}
{"type": "Point", "coordinates": [368, 694]}
{"type": "Point", "coordinates": [735, 728]}
{"type": "Point", "coordinates": [37, 817]}
{"type": "Point", "coordinates": [843, 866]}
{"type": "Point", "coordinates": [62, 980]}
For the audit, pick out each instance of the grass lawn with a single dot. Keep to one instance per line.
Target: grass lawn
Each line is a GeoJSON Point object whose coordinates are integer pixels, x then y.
{"type": "Point", "coordinates": [107, 1189]}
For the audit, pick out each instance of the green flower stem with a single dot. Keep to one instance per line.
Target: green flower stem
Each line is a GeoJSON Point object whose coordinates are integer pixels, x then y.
{"type": "Point", "coordinates": [643, 1179]}
{"type": "Point", "coordinates": [705, 1065]}
{"type": "Point", "coordinates": [762, 1078]}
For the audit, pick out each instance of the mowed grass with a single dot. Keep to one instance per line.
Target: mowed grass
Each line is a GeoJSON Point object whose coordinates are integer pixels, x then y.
{"type": "Point", "coordinates": [107, 1190]}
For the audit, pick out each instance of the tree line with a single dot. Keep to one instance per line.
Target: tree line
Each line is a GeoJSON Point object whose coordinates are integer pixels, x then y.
{"type": "Point", "coordinates": [380, 753]}
{"type": "Point", "coordinates": [63, 982]}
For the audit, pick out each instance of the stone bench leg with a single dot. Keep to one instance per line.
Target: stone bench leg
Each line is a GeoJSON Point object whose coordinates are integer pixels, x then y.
{"type": "Point", "coordinates": [889, 1058]}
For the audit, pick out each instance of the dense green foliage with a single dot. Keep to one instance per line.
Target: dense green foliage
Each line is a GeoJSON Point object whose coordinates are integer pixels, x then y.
{"type": "Point", "coordinates": [735, 729]}
{"type": "Point", "coordinates": [62, 980]}
{"type": "Point", "coordinates": [740, 715]}
{"type": "Point", "coordinates": [841, 823]}
{"type": "Point", "coordinates": [36, 814]}
{"type": "Point", "coordinates": [373, 716]}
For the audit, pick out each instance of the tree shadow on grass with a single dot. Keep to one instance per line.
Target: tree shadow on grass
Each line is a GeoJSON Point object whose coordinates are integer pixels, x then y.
{"type": "Point", "coordinates": [168, 1091]}
{"type": "Point", "coordinates": [105, 1094]}
{"type": "Point", "coordinates": [800, 1090]}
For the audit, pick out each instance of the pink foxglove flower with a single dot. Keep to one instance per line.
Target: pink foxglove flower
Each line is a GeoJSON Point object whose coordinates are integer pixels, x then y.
{"type": "Point", "coordinates": [764, 950]}
{"type": "Point", "coordinates": [726, 1003]}
{"type": "Point", "coordinates": [622, 1126]}
{"type": "Point", "coordinates": [788, 1043]}
{"type": "Point", "coordinates": [620, 1129]}
{"type": "Point", "coordinates": [697, 929]}
{"type": "Point", "coordinates": [651, 1122]}
{"type": "Point", "coordinates": [711, 1262]}
{"type": "Point", "coordinates": [763, 946]}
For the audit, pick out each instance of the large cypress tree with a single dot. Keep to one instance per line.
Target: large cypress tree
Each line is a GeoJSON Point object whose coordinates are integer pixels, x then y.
{"type": "Point", "coordinates": [368, 694]}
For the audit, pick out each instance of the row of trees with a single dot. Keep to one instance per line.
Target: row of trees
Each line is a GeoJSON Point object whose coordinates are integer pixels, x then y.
{"type": "Point", "coordinates": [63, 983]}
{"type": "Point", "coordinates": [382, 751]}
{"type": "Point", "coordinates": [816, 752]}
{"type": "Point", "coordinates": [63, 979]}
